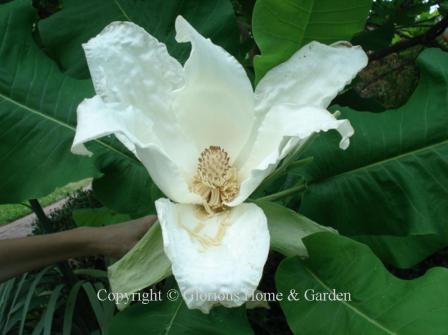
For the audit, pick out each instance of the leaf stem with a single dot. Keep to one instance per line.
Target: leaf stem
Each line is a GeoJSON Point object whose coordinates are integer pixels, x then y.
{"type": "Point", "coordinates": [301, 162]}
{"type": "Point", "coordinates": [284, 193]}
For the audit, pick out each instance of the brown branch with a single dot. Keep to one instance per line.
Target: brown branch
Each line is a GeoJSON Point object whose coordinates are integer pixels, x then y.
{"type": "Point", "coordinates": [422, 39]}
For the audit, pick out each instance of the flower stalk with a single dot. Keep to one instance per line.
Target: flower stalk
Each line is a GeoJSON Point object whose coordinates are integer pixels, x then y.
{"type": "Point", "coordinates": [284, 193]}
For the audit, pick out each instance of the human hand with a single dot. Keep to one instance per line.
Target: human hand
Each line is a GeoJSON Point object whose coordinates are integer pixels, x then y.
{"type": "Point", "coordinates": [117, 239]}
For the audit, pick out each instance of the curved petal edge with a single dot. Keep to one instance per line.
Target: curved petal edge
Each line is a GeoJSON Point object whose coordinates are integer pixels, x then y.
{"type": "Point", "coordinates": [314, 75]}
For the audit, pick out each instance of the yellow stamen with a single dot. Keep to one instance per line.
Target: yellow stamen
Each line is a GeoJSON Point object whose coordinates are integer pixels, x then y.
{"type": "Point", "coordinates": [216, 180]}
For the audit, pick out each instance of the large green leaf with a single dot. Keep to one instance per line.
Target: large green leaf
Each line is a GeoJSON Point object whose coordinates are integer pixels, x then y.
{"type": "Point", "coordinates": [281, 27]}
{"type": "Point", "coordinates": [124, 186]}
{"type": "Point", "coordinates": [63, 33]}
{"type": "Point", "coordinates": [38, 117]}
{"type": "Point", "coordinates": [379, 303]}
{"type": "Point", "coordinates": [173, 317]}
{"type": "Point", "coordinates": [36, 113]}
{"type": "Point", "coordinates": [392, 182]}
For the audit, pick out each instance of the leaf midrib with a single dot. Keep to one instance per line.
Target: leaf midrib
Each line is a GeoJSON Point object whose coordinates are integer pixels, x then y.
{"type": "Point", "coordinates": [309, 19]}
{"type": "Point", "coordinates": [123, 12]}
{"type": "Point", "coordinates": [383, 161]}
{"type": "Point", "coordinates": [63, 124]}
{"type": "Point", "coordinates": [173, 317]}
{"type": "Point", "coordinates": [353, 308]}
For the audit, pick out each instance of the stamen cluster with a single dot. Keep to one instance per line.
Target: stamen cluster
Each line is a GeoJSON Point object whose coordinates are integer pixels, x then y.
{"type": "Point", "coordinates": [216, 181]}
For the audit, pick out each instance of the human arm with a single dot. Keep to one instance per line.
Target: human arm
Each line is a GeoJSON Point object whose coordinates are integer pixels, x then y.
{"type": "Point", "coordinates": [25, 254]}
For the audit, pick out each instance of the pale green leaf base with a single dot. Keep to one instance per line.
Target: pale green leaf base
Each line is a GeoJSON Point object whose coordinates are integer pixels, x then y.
{"type": "Point", "coordinates": [143, 266]}
{"type": "Point", "coordinates": [287, 229]}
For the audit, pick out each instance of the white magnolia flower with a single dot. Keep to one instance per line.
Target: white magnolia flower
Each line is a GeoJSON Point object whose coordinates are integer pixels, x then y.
{"type": "Point", "coordinates": [208, 141]}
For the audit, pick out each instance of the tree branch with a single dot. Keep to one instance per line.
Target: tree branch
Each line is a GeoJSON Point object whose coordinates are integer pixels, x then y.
{"type": "Point", "coordinates": [423, 39]}
{"type": "Point", "coordinates": [44, 221]}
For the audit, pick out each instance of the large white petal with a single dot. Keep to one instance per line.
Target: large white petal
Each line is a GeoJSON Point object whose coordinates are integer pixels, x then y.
{"type": "Point", "coordinates": [226, 272]}
{"type": "Point", "coordinates": [216, 105]}
{"type": "Point", "coordinates": [135, 79]}
{"type": "Point", "coordinates": [313, 76]}
{"type": "Point", "coordinates": [285, 127]}
{"type": "Point", "coordinates": [97, 119]}
{"type": "Point", "coordinates": [131, 67]}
